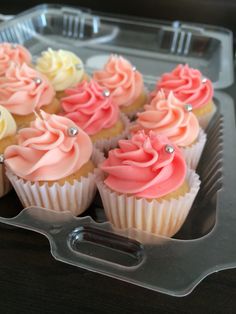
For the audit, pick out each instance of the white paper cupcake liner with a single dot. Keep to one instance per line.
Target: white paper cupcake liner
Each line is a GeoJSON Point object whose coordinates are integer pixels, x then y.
{"type": "Point", "coordinates": [107, 144]}
{"type": "Point", "coordinates": [160, 218]}
{"type": "Point", "coordinates": [5, 185]}
{"type": "Point", "coordinates": [75, 198]}
{"type": "Point", "coordinates": [205, 120]}
{"type": "Point", "coordinates": [193, 154]}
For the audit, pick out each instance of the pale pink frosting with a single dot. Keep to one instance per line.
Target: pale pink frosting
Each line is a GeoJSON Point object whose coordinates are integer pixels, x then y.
{"type": "Point", "coordinates": [12, 53]}
{"type": "Point", "coordinates": [46, 152]}
{"type": "Point", "coordinates": [124, 82]}
{"type": "Point", "coordinates": [21, 94]}
{"type": "Point", "coordinates": [188, 85]}
{"type": "Point", "coordinates": [168, 116]}
{"type": "Point", "coordinates": [86, 105]}
{"type": "Point", "coordinates": [141, 166]}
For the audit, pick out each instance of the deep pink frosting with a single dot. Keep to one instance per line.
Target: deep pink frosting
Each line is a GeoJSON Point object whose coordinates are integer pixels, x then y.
{"type": "Point", "coordinates": [141, 166]}
{"type": "Point", "coordinates": [46, 152]}
{"type": "Point", "coordinates": [12, 53]}
{"type": "Point", "coordinates": [188, 85]}
{"type": "Point", "coordinates": [122, 79]}
{"type": "Point", "coordinates": [86, 105]}
{"type": "Point", "coordinates": [168, 116]}
{"type": "Point", "coordinates": [20, 93]}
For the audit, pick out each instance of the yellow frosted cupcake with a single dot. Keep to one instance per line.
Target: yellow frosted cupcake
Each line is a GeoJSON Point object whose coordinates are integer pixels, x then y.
{"type": "Point", "coordinates": [92, 108]}
{"type": "Point", "coordinates": [63, 68]}
{"type": "Point", "coordinates": [144, 184]}
{"type": "Point", "coordinates": [23, 91]}
{"type": "Point", "coordinates": [52, 165]}
{"type": "Point", "coordinates": [7, 138]}
{"type": "Point", "coordinates": [125, 84]}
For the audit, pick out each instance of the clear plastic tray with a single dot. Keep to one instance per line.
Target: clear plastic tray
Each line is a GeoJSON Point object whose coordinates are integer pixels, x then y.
{"type": "Point", "coordinates": [204, 244]}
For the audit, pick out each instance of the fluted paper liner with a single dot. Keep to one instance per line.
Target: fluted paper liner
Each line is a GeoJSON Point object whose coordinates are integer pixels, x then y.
{"type": "Point", "coordinates": [193, 154]}
{"type": "Point", "coordinates": [5, 185]}
{"type": "Point", "coordinates": [75, 198]}
{"type": "Point", "coordinates": [107, 144]}
{"type": "Point", "coordinates": [160, 218]}
{"type": "Point", "coordinates": [205, 120]}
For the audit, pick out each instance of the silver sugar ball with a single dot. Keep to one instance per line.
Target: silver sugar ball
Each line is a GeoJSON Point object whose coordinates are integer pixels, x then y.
{"type": "Point", "coordinates": [79, 66]}
{"type": "Point", "coordinates": [106, 93]}
{"type": "Point", "coordinates": [1, 159]}
{"type": "Point", "coordinates": [14, 46]}
{"type": "Point", "coordinates": [169, 149]}
{"type": "Point", "coordinates": [204, 80]}
{"type": "Point", "coordinates": [134, 68]}
{"type": "Point", "coordinates": [188, 107]}
{"type": "Point", "coordinates": [37, 80]}
{"type": "Point", "coordinates": [73, 131]}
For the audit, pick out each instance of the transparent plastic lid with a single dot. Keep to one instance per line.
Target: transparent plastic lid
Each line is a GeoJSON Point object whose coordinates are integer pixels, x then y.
{"type": "Point", "coordinates": [204, 243]}
{"type": "Point", "coordinates": [153, 47]}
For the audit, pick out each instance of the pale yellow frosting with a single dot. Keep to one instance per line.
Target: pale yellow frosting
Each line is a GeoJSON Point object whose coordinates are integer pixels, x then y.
{"type": "Point", "coordinates": [63, 68]}
{"type": "Point", "coordinates": [7, 123]}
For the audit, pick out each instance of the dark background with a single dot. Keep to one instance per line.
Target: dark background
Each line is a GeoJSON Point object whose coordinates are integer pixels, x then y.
{"type": "Point", "coordinates": [31, 281]}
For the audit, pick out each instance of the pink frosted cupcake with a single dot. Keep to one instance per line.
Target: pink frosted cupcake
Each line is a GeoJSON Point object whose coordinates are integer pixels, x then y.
{"type": "Point", "coordinates": [125, 84]}
{"type": "Point", "coordinates": [92, 108]}
{"type": "Point", "coordinates": [52, 166]}
{"type": "Point", "coordinates": [145, 184]}
{"type": "Point", "coordinates": [169, 117]}
{"type": "Point", "coordinates": [24, 91]}
{"type": "Point", "coordinates": [190, 87]}
{"type": "Point", "coordinates": [13, 53]}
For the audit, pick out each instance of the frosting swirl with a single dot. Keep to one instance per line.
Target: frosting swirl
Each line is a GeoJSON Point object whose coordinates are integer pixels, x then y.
{"type": "Point", "coordinates": [63, 68]}
{"type": "Point", "coordinates": [7, 123]}
{"type": "Point", "coordinates": [141, 166]}
{"type": "Point", "coordinates": [124, 82]}
{"type": "Point", "coordinates": [46, 152]}
{"type": "Point", "coordinates": [12, 53]}
{"type": "Point", "coordinates": [89, 108]}
{"type": "Point", "coordinates": [24, 90]}
{"type": "Point", "coordinates": [187, 85]}
{"type": "Point", "coordinates": [168, 116]}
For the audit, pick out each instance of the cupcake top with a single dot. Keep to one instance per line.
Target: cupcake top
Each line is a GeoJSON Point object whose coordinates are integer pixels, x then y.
{"type": "Point", "coordinates": [122, 79]}
{"type": "Point", "coordinates": [63, 68]}
{"type": "Point", "coordinates": [7, 123]}
{"type": "Point", "coordinates": [12, 53]}
{"type": "Point", "coordinates": [24, 90]}
{"type": "Point", "coordinates": [147, 165]}
{"type": "Point", "coordinates": [188, 85]}
{"type": "Point", "coordinates": [52, 148]}
{"type": "Point", "coordinates": [168, 116]}
{"type": "Point", "coordinates": [90, 107]}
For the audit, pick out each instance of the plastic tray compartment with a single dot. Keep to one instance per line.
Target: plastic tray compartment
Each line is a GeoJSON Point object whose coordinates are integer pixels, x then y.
{"type": "Point", "coordinates": [203, 245]}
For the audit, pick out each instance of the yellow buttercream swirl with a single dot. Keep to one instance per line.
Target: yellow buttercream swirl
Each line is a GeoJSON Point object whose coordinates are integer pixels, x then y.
{"type": "Point", "coordinates": [63, 68]}
{"type": "Point", "coordinates": [7, 123]}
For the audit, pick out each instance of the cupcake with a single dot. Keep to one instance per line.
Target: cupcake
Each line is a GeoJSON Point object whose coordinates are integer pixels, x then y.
{"type": "Point", "coordinates": [92, 108]}
{"type": "Point", "coordinates": [13, 53]}
{"type": "Point", "coordinates": [144, 184]}
{"type": "Point", "coordinates": [169, 117]}
{"type": "Point", "coordinates": [63, 68]}
{"type": "Point", "coordinates": [52, 165]}
{"type": "Point", "coordinates": [7, 137]}
{"type": "Point", "coordinates": [24, 91]}
{"type": "Point", "coordinates": [125, 84]}
{"type": "Point", "coordinates": [190, 87]}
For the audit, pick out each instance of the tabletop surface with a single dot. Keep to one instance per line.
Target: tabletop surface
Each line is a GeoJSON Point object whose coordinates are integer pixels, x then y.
{"type": "Point", "coordinates": [31, 281]}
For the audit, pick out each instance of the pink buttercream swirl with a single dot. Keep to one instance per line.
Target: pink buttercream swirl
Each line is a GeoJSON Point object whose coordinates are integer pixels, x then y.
{"type": "Point", "coordinates": [24, 90]}
{"type": "Point", "coordinates": [12, 53]}
{"type": "Point", "coordinates": [46, 151]}
{"type": "Point", "coordinates": [87, 105]}
{"type": "Point", "coordinates": [124, 82]}
{"type": "Point", "coordinates": [188, 85]}
{"type": "Point", "coordinates": [141, 166]}
{"type": "Point", "coordinates": [168, 116]}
